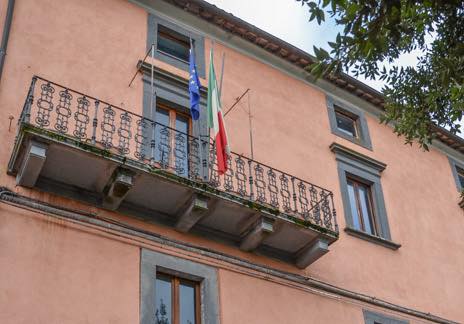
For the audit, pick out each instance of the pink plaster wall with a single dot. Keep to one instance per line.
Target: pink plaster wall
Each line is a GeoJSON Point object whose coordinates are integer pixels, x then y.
{"type": "Point", "coordinates": [93, 46]}
{"type": "Point", "coordinates": [51, 273]}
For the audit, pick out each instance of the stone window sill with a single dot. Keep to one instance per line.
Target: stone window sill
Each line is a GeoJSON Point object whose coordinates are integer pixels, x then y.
{"type": "Point", "coordinates": [371, 238]}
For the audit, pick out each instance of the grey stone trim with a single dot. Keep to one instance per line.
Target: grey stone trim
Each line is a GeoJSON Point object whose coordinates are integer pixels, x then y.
{"type": "Point", "coordinates": [374, 318]}
{"type": "Point", "coordinates": [371, 238]}
{"type": "Point", "coordinates": [357, 165]}
{"type": "Point", "coordinates": [152, 261]}
{"type": "Point", "coordinates": [350, 156]}
{"type": "Point", "coordinates": [364, 137]}
{"type": "Point", "coordinates": [152, 35]}
{"type": "Point", "coordinates": [454, 166]}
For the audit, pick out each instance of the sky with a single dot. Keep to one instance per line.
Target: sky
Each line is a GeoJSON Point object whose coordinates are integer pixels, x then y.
{"type": "Point", "coordinates": [288, 20]}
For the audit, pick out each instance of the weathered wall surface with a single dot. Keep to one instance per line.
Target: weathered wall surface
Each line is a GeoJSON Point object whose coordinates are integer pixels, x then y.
{"type": "Point", "coordinates": [93, 46]}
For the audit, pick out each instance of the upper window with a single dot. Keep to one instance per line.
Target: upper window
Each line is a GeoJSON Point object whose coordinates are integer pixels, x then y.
{"type": "Point", "coordinates": [348, 123]}
{"type": "Point", "coordinates": [177, 300]}
{"type": "Point", "coordinates": [172, 43]}
{"type": "Point", "coordinates": [457, 169]}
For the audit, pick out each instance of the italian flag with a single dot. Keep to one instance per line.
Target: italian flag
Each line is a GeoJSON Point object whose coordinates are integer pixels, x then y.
{"type": "Point", "coordinates": [216, 120]}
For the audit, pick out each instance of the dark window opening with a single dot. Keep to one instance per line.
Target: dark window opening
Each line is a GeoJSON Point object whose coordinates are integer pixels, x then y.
{"type": "Point", "coordinates": [173, 43]}
{"type": "Point", "coordinates": [177, 300]}
{"type": "Point", "coordinates": [346, 123]}
{"type": "Point", "coordinates": [460, 173]}
{"type": "Point", "coordinates": [361, 205]}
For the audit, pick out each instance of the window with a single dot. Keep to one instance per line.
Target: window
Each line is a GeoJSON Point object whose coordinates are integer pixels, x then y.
{"type": "Point", "coordinates": [360, 196]}
{"type": "Point", "coordinates": [177, 300]}
{"type": "Point", "coordinates": [377, 318]}
{"type": "Point", "coordinates": [173, 43]}
{"type": "Point", "coordinates": [457, 169]}
{"type": "Point", "coordinates": [361, 190]}
{"type": "Point", "coordinates": [348, 122]}
{"type": "Point", "coordinates": [172, 138]}
{"type": "Point", "coordinates": [177, 291]}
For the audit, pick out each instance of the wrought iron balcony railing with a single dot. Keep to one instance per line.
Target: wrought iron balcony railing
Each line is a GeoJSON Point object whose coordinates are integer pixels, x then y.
{"type": "Point", "coordinates": [62, 111]}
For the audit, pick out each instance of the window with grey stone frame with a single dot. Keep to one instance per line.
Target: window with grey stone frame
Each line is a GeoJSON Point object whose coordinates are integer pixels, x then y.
{"type": "Point", "coordinates": [152, 38]}
{"type": "Point", "coordinates": [455, 167]}
{"type": "Point", "coordinates": [153, 262]}
{"type": "Point", "coordinates": [356, 165]}
{"type": "Point", "coordinates": [377, 318]}
{"type": "Point", "coordinates": [363, 137]}
{"type": "Point", "coordinates": [173, 90]}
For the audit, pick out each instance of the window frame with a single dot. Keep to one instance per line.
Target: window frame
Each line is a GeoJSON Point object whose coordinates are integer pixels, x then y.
{"type": "Point", "coordinates": [335, 106]}
{"type": "Point", "coordinates": [351, 164]}
{"type": "Point", "coordinates": [372, 215]}
{"type": "Point", "coordinates": [371, 317]}
{"type": "Point", "coordinates": [154, 21]}
{"type": "Point", "coordinates": [455, 167]}
{"type": "Point", "coordinates": [175, 296]}
{"type": "Point", "coordinates": [153, 263]}
{"type": "Point", "coordinates": [174, 37]}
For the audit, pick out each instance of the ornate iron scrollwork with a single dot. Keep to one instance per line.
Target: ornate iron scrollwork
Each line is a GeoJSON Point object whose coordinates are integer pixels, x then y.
{"type": "Point", "coordinates": [45, 105]}
{"type": "Point", "coordinates": [107, 127]}
{"type": "Point", "coordinates": [214, 180]}
{"type": "Point", "coordinates": [180, 153]}
{"type": "Point", "coordinates": [229, 176]}
{"type": "Point", "coordinates": [164, 146]}
{"type": "Point", "coordinates": [194, 159]}
{"type": "Point", "coordinates": [124, 133]}
{"type": "Point", "coordinates": [141, 139]}
{"type": "Point", "coordinates": [285, 193]}
{"type": "Point", "coordinates": [63, 112]}
{"type": "Point", "coordinates": [81, 117]}
{"type": "Point", "coordinates": [273, 189]}
{"type": "Point", "coordinates": [303, 199]}
{"type": "Point", "coordinates": [260, 183]}
{"type": "Point", "coordinates": [240, 176]}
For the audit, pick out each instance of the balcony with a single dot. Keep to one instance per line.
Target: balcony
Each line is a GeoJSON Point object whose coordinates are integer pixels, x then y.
{"type": "Point", "coordinates": [75, 145]}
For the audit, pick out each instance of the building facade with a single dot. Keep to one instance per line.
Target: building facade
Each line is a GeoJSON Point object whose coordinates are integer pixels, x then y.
{"type": "Point", "coordinates": [112, 209]}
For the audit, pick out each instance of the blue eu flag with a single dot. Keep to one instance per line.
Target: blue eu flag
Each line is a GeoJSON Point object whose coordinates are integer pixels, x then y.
{"type": "Point", "coordinates": [194, 87]}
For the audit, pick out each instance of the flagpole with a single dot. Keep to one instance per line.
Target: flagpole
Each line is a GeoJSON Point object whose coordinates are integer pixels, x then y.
{"type": "Point", "coordinates": [153, 104]}
{"type": "Point", "coordinates": [222, 74]}
{"type": "Point", "coordinates": [250, 123]}
{"type": "Point", "coordinates": [196, 123]}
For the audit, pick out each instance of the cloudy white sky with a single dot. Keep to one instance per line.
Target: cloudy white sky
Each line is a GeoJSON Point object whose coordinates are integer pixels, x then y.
{"type": "Point", "coordinates": [288, 20]}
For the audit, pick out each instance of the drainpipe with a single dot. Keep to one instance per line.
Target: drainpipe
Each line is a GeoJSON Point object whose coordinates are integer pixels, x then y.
{"type": "Point", "coordinates": [6, 34]}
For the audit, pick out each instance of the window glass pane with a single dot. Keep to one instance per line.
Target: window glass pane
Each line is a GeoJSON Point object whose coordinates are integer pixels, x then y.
{"type": "Point", "coordinates": [187, 303]}
{"type": "Point", "coordinates": [163, 290]}
{"type": "Point", "coordinates": [173, 43]}
{"type": "Point", "coordinates": [366, 209]}
{"type": "Point", "coordinates": [346, 124]}
{"type": "Point", "coordinates": [354, 208]}
{"type": "Point", "coordinates": [181, 145]}
{"type": "Point", "coordinates": [460, 177]}
{"type": "Point", "coordinates": [162, 136]}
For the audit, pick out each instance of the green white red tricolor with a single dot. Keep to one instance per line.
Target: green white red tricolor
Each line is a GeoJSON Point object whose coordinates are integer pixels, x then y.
{"type": "Point", "coordinates": [216, 120]}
